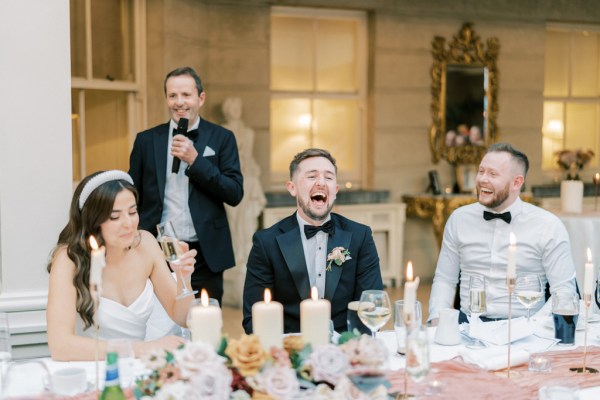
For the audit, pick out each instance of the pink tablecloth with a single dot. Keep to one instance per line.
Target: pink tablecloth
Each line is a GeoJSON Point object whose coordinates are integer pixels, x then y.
{"type": "Point", "coordinates": [461, 380]}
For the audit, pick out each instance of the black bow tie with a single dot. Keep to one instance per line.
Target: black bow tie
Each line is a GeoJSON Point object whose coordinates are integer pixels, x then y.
{"type": "Point", "coordinates": [506, 217]}
{"type": "Point", "coordinates": [310, 230]}
{"type": "Point", "coordinates": [193, 134]}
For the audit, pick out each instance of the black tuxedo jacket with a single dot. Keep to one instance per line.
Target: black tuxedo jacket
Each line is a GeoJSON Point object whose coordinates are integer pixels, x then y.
{"type": "Point", "coordinates": [277, 261]}
{"type": "Point", "coordinates": [214, 179]}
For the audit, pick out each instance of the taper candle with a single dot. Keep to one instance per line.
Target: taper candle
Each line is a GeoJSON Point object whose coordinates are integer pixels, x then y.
{"type": "Point", "coordinates": [410, 290]}
{"type": "Point", "coordinates": [588, 281]}
{"type": "Point", "coordinates": [97, 262]}
{"type": "Point", "coordinates": [511, 270]}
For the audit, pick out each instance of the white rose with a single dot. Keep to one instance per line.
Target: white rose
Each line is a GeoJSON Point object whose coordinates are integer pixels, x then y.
{"type": "Point", "coordinates": [212, 382]}
{"type": "Point", "coordinates": [194, 356]}
{"type": "Point", "coordinates": [239, 395]}
{"type": "Point", "coordinates": [175, 391]}
{"type": "Point", "coordinates": [280, 382]}
{"type": "Point", "coordinates": [366, 351]}
{"type": "Point", "coordinates": [155, 359]}
{"type": "Point", "coordinates": [328, 363]}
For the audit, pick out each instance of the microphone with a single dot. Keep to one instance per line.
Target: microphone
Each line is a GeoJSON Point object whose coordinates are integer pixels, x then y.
{"type": "Point", "coordinates": [182, 127]}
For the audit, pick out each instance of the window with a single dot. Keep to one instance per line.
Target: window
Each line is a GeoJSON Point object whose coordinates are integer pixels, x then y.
{"type": "Point", "coordinates": [318, 88]}
{"type": "Point", "coordinates": [106, 70]}
{"type": "Point", "coordinates": [571, 91]}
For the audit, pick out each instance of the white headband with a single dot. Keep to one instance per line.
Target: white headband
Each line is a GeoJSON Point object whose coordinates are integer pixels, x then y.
{"type": "Point", "coordinates": [101, 178]}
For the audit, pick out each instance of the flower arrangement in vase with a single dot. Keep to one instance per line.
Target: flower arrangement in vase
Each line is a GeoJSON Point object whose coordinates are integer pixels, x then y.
{"type": "Point", "coordinates": [573, 161]}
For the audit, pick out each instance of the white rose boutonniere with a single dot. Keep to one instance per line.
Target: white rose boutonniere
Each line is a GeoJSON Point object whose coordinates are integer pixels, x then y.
{"type": "Point", "coordinates": [338, 255]}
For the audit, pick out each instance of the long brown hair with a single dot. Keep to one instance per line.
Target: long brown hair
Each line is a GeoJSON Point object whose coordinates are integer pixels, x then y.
{"type": "Point", "coordinates": [83, 223]}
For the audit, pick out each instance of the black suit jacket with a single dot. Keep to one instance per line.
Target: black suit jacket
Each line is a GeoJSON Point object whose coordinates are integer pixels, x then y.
{"type": "Point", "coordinates": [214, 180]}
{"type": "Point", "coordinates": [277, 261]}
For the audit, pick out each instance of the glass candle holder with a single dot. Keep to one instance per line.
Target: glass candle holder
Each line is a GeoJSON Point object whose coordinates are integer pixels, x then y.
{"type": "Point", "coordinates": [539, 363]}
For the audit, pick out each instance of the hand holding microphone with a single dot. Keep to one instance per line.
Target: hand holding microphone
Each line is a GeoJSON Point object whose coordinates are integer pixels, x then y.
{"type": "Point", "coordinates": [182, 127]}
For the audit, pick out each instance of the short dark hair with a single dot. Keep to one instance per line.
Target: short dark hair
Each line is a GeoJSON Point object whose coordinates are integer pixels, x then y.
{"type": "Point", "coordinates": [189, 71]}
{"type": "Point", "coordinates": [517, 155]}
{"type": "Point", "coordinates": [309, 153]}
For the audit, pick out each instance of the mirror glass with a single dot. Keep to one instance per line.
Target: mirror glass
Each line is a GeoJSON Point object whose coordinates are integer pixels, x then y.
{"type": "Point", "coordinates": [464, 93]}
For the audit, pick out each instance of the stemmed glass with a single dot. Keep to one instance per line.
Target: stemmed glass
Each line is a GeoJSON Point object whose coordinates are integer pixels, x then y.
{"type": "Point", "coordinates": [374, 309]}
{"type": "Point", "coordinates": [477, 305]}
{"type": "Point", "coordinates": [528, 289]}
{"type": "Point", "coordinates": [172, 250]}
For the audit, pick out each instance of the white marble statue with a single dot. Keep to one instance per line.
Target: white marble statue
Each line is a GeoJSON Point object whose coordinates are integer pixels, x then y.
{"type": "Point", "coordinates": [243, 219]}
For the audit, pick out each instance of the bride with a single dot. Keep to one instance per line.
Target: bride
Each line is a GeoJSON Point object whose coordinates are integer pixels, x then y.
{"type": "Point", "coordinates": [105, 205]}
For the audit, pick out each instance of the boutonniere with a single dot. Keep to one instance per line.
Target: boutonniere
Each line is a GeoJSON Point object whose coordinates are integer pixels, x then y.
{"type": "Point", "coordinates": [338, 256]}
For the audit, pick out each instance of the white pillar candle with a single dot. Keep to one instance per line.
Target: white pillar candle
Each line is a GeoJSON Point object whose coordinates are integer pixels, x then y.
{"type": "Point", "coordinates": [206, 322]}
{"type": "Point", "coordinates": [410, 291]}
{"type": "Point", "coordinates": [588, 281]}
{"type": "Point", "coordinates": [267, 322]}
{"type": "Point", "coordinates": [97, 263]}
{"type": "Point", "coordinates": [315, 315]}
{"type": "Point", "coordinates": [511, 270]}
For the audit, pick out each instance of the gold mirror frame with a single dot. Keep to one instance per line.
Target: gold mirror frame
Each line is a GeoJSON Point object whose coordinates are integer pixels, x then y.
{"type": "Point", "coordinates": [465, 49]}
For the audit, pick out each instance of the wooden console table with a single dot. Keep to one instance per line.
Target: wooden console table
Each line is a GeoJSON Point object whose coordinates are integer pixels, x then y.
{"type": "Point", "coordinates": [436, 207]}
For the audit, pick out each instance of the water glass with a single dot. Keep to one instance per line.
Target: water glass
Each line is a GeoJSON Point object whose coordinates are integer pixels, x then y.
{"type": "Point", "coordinates": [400, 323]}
{"type": "Point", "coordinates": [124, 350]}
{"type": "Point", "coordinates": [565, 312]}
{"type": "Point", "coordinates": [353, 321]}
{"type": "Point", "coordinates": [417, 353]}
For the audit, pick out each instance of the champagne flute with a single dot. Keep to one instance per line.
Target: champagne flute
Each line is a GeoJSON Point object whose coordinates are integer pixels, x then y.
{"type": "Point", "coordinates": [477, 305]}
{"type": "Point", "coordinates": [172, 250]}
{"type": "Point", "coordinates": [528, 289]}
{"type": "Point", "coordinates": [374, 309]}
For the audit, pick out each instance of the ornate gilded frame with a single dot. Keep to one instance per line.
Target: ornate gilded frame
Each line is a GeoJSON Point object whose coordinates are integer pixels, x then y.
{"type": "Point", "coordinates": [466, 48]}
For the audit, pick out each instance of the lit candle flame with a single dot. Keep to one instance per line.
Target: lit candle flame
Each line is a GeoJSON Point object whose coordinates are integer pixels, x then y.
{"type": "Point", "coordinates": [314, 293]}
{"type": "Point", "coordinates": [513, 239]}
{"type": "Point", "coordinates": [204, 298]}
{"type": "Point", "coordinates": [597, 178]}
{"type": "Point", "coordinates": [267, 296]}
{"type": "Point", "coordinates": [589, 254]}
{"type": "Point", "coordinates": [409, 272]}
{"type": "Point", "coordinates": [93, 243]}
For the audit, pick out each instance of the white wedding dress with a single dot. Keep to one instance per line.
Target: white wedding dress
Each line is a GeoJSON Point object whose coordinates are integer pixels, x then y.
{"type": "Point", "coordinates": [116, 321]}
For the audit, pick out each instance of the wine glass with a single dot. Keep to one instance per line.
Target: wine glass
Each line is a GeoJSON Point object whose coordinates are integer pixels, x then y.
{"type": "Point", "coordinates": [374, 309]}
{"type": "Point", "coordinates": [172, 250]}
{"type": "Point", "coordinates": [528, 289]}
{"type": "Point", "coordinates": [417, 353]}
{"type": "Point", "coordinates": [477, 305]}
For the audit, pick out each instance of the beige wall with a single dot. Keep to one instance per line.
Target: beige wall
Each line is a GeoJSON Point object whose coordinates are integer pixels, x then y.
{"type": "Point", "coordinates": [228, 43]}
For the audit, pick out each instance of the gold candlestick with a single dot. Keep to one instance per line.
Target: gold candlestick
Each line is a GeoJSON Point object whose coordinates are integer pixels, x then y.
{"type": "Point", "coordinates": [510, 282]}
{"type": "Point", "coordinates": [587, 299]}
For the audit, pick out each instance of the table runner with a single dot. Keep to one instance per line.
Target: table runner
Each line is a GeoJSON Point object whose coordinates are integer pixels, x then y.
{"type": "Point", "coordinates": [461, 380]}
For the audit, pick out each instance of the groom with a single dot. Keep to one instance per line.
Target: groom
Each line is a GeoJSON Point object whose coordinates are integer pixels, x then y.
{"type": "Point", "coordinates": [290, 257]}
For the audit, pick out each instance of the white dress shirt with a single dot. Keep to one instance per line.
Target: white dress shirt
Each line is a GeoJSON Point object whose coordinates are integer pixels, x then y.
{"type": "Point", "coordinates": [315, 255]}
{"type": "Point", "coordinates": [472, 245]}
{"type": "Point", "coordinates": [177, 189]}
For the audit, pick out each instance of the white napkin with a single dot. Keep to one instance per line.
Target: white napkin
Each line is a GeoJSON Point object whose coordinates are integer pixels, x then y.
{"type": "Point", "coordinates": [496, 332]}
{"type": "Point", "coordinates": [494, 358]}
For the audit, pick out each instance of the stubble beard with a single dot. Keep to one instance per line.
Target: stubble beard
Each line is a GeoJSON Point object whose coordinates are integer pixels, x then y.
{"type": "Point", "coordinates": [499, 197]}
{"type": "Point", "coordinates": [305, 207]}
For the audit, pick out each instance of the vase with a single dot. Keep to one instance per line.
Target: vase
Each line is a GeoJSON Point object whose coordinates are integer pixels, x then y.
{"type": "Point", "coordinates": [571, 196]}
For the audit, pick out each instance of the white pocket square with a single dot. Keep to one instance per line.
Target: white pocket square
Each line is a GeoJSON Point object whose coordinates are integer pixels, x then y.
{"type": "Point", "coordinates": [208, 152]}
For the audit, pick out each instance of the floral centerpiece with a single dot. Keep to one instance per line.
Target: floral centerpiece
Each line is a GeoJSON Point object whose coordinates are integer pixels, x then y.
{"type": "Point", "coordinates": [241, 369]}
{"type": "Point", "coordinates": [573, 161]}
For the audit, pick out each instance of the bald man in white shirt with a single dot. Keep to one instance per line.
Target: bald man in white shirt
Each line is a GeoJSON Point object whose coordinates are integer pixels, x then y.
{"type": "Point", "coordinates": [476, 240]}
